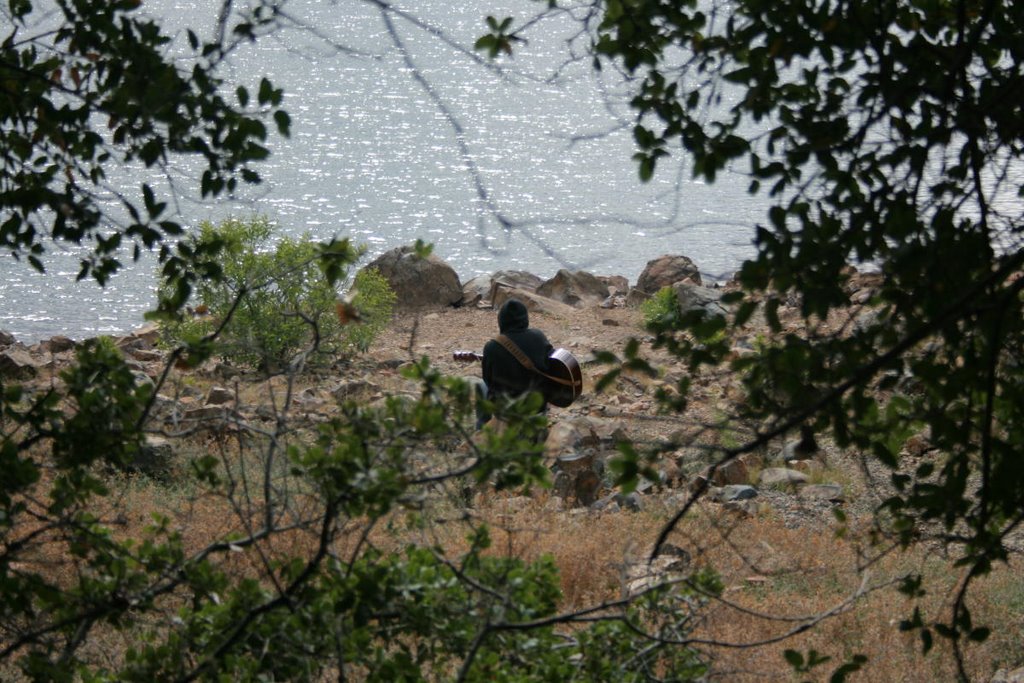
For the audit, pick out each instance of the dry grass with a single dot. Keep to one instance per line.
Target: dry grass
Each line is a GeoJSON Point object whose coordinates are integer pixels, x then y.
{"type": "Point", "coordinates": [776, 577]}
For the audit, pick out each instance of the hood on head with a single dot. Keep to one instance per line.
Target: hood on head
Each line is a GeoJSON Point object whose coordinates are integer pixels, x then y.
{"type": "Point", "coordinates": [513, 316]}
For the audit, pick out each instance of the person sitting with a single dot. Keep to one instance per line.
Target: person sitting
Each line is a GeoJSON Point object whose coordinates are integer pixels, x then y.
{"type": "Point", "coordinates": [504, 377]}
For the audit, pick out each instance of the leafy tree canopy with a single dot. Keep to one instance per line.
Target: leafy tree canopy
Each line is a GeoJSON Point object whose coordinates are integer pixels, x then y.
{"type": "Point", "coordinates": [91, 84]}
{"type": "Point", "coordinates": [888, 135]}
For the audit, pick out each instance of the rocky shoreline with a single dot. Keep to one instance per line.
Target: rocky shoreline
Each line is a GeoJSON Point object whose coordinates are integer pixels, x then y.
{"type": "Point", "coordinates": [438, 314]}
{"type": "Point", "coordinates": [797, 483]}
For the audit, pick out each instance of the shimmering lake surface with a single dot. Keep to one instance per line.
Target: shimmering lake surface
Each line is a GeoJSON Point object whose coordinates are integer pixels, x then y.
{"type": "Point", "coordinates": [399, 135]}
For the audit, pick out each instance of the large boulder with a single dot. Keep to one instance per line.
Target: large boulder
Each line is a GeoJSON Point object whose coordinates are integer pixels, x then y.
{"type": "Point", "coordinates": [18, 364]}
{"type": "Point", "coordinates": [570, 437]}
{"type": "Point", "coordinates": [617, 284]}
{"type": "Point", "coordinates": [505, 280]}
{"type": "Point", "coordinates": [534, 302]}
{"type": "Point", "coordinates": [57, 344]}
{"type": "Point", "coordinates": [665, 271]}
{"type": "Point", "coordinates": [574, 288]}
{"type": "Point", "coordinates": [693, 297]}
{"type": "Point", "coordinates": [419, 282]}
{"type": "Point", "coordinates": [476, 290]}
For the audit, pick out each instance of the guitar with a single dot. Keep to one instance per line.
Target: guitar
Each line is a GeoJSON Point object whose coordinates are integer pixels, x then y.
{"type": "Point", "coordinates": [562, 384]}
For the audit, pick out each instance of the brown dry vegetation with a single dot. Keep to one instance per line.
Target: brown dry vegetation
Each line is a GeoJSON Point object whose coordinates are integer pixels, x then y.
{"type": "Point", "coordinates": [787, 565]}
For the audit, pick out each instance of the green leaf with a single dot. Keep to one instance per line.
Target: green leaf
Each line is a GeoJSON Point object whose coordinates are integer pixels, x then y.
{"type": "Point", "coordinates": [980, 634]}
{"type": "Point", "coordinates": [607, 379]}
{"type": "Point", "coordinates": [266, 92]}
{"type": "Point", "coordinates": [284, 122]}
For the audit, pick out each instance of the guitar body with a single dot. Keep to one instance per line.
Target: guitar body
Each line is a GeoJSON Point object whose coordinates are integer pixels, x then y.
{"type": "Point", "coordinates": [562, 384]}
{"type": "Point", "coordinates": [564, 381]}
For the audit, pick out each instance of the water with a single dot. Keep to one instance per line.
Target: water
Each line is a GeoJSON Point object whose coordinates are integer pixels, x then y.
{"type": "Point", "coordinates": [398, 135]}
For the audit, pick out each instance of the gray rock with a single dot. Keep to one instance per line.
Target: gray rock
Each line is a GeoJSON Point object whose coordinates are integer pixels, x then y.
{"type": "Point", "coordinates": [735, 471]}
{"type": "Point", "coordinates": [782, 475]}
{"type": "Point", "coordinates": [6, 338]}
{"type": "Point", "coordinates": [737, 492]}
{"type": "Point", "coordinates": [534, 302]}
{"type": "Point", "coordinates": [514, 279]}
{"type": "Point", "coordinates": [669, 565]}
{"type": "Point", "coordinates": [695, 297]}
{"type": "Point", "coordinates": [145, 355]}
{"type": "Point", "coordinates": [148, 334]}
{"type": "Point", "coordinates": [804, 448]}
{"type": "Point", "coordinates": [476, 290]}
{"type": "Point", "coordinates": [614, 301]}
{"type": "Point", "coordinates": [17, 363]}
{"type": "Point", "coordinates": [631, 501]}
{"type": "Point", "coordinates": [143, 378]}
{"type": "Point", "coordinates": [636, 297]}
{"type": "Point", "coordinates": [58, 344]}
{"type": "Point", "coordinates": [569, 437]}
{"type": "Point", "coordinates": [665, 271]}
{"type": "Point", "coordinates": [1008, 676]}
{"type": "Point", "coordinates": [574, 288]}
{"type": "Point", "coordinates": [616, 284]}
{"type": "Point", "coordinates": [502, 283]}
{"type": "Point", "coordinates": [419, 283]}
{"type": "Point", "coordinates": [832, 492]}
{"type": "Point", "coordinates": [154, 459]}
{"type": "Point", "coordinates": [219, 396]}
{"type": "Point", "coordinates": [225, 371]}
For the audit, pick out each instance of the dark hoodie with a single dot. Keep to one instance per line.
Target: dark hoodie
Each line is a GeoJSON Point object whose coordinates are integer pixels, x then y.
{"type": "Point", "coordinates": [504, 375]}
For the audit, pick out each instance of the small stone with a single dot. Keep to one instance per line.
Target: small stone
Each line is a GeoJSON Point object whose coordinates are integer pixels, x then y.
{"type": "Point", "coordinates": [1007, 676]}
{"type": "Point", "coordinates": [154, 458]}
{"type": "Point", "coordinates": [737, 492]}
{"type": "Point", "coordinates": [810, 467]}
{"type": "Point", "coordinates": [219, 396]}
{"type": "Point", "coordinates": [832, 492]}
{"type": "Point", "coordinates": [632, 501]}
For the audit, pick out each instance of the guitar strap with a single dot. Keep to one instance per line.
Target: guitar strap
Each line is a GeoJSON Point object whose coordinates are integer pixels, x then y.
{"type": "Point", "coordinates": [518, 354]}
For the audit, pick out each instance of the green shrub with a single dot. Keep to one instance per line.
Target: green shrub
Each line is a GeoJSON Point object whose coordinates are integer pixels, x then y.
{"type": "Point", "coordinates": [661, 308]}
{"type": "Point", "coordinates": [375, 301]}
{"type": "Point", "coordinates": [278, 298]}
